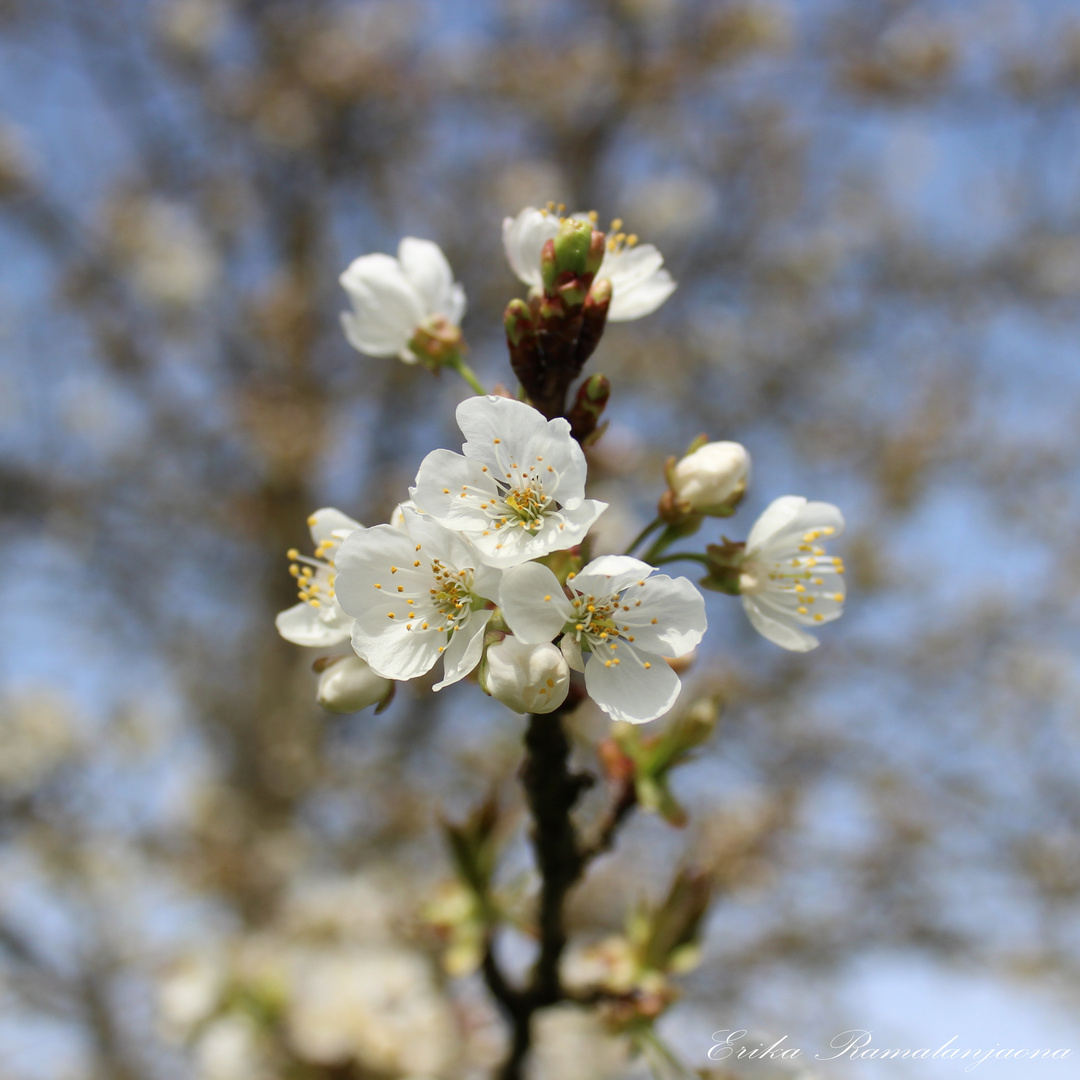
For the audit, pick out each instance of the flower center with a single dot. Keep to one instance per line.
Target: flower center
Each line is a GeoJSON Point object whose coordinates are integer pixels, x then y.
{"type": "Point", "coordinates": [799, 569]}
{"type": "Point", "coordinates": [596, 623]}
{"type": "Point", "coordinates": [314, 575]}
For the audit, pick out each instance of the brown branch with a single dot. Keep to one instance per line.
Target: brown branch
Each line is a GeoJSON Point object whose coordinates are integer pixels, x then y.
{"type": "Point", "coordinates": [551, 791]}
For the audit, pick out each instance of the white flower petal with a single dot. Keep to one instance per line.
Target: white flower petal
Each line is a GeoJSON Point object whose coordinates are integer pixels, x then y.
{"type": "Point", "coordinates": [671, 619]}
{"type": "Point", "coordinates": [642, 299]}
{"type": "Point", "coordinates": [533, 603]}
{"type": "Point", "coordinates": [362, 562]}
{"type": "Point", "coordinates": [524, 237]}
{"type": "Point", "coordinates": [396, 653]}
{"type": "Point", "coordinates": [611, 574]}
{"type": "Point", "coordinates": [630, 266]}
{"type": "Point", "coordinates": [441, 481]}
{"type": "Point", "coordinates": [780, 633]}
{"type": "Point", "coordinates": [386, 308]}
{"type": "Point", "coordinates": [572, 651]}
{"type": "Point", "coordinates": [455, 310]}
{"type": "Point", "coordinates": [426, 269]}
{"type": "Point", "coordinates": [778, 515]}
{"type": "Point", "coordinates": [631, 692]}
{"type": "Point", "coordinates": [326, 522]}
{"type": "Point", "coordinates": [465, 649]}
{"type": "Point", "coordinates": [301, 625]}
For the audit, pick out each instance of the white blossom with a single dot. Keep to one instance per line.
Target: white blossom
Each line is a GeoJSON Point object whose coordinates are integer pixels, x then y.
{"type": "Point", "coordinates": [519, 490]}
{"type": "Point", "coordinates": [620, 621]}
{"type": "Point", "coordinates": [394, 299]}
{"type": "Point", "coordinates": [787, 581]}
{"type": "Point", "coordinates": [711, 477]}
{"type": "Point", "coordinates": [639, 284]}
{"type": "Point", "coordinates": [526, 678]}
{"type": "Point", "coordinates": [415, 595]}
{"type": "Point", "coordinates": [348, 685]}
{"type": "Point", "coordinates": [376, 1005]}
{"type": "Point", "coordinates": [318, 620]}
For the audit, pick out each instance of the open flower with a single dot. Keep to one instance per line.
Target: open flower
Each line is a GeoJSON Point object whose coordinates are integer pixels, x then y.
{"type": "Point", "coordinates": [415, 595]}
{"type": "Point", "coordinates": [409, 307]}
{"type": "Point", "coordinates": [787, 581]}
{"type": "Point", "coordinates": [526, 678]}
{"type": "Point", "coordinates": [620, 620]}
{"type": "Point", "coordinates": [318, 620]}
{"type": "Point", "coordinates": [519, 491]}
{"type": "Point", "coordinates": [639, 284]}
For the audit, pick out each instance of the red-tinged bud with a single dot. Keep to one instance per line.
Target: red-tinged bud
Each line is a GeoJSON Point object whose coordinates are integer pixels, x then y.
{"type": "Point", "coordinates": [549, 270]}
{"type": "Point", "coordinates": [597, 248]}
{"type": "Point", "coordinates": [618, 766]}
{"type": "Point", "coordinates": [518, 321]}
{"type": "Point", "coordinates": [592, 398]}
{"type": "Point", "coordinates": [594, 319]}
{"type": "Point", "coordinates": [524, 345]}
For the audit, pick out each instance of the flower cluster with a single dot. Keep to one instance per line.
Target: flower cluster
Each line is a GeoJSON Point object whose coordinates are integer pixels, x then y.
{"type": "Point", "coordinates": [485, 566]}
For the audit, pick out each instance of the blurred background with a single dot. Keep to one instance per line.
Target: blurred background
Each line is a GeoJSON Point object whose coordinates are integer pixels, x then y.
{"type": "Point", "coordinates": [873, 212]}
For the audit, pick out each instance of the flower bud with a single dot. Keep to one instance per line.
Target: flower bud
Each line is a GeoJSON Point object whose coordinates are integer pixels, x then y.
{"type": "Point", "coordinates": [712, 479]}
{"type": "Point", "coordinates": [526, 678]}
{"type": "Point", "coordinates": [349, 685]}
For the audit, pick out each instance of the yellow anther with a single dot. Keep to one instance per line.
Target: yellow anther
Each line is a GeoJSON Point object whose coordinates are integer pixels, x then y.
{"type": "Point", "coordinates": [655, 621]}
{"type": "Point", "coordinates": [389, 614]}
{"type": "Point", "coordinates": [393, 569]}
{"type": "Point", "coordinates": [571, 576]}
{"type": "Point", "coordinates": [839, 597]}
{"type": "Point", "coordinates": [416, 563]}
{"type": "Point", "coordinates": [819, 618]}
{"type": "Point", "coordinates": [314, 603]}
{"type": "Point", "coordinates": [647, 664]}
{"type": "Point", "coordinates": [551, 683]}
{"type": "Point", "coordinates": [616, 224]}
{"type": "Point", "coordinates": [802, 611]}
{"type": "Point", "coordinates": [607, 663]}
{"type": "Point", "coordinates": [401, 588]}
{"type": "Point", "coordinates": [547, 598]}
{"type": "Point", "coordinates": [312, 520]}
{"type": "Point", "coordinates": [292, 554]}
{"type": "Point", "coordinates": [632, 239]}
{"type": "Point", "coordinates": [497, 441]}
{"type": "Point", "coordinates": [378, 586]}
{"type": "Point", "coordinates": [579, 626]}
{"type": "Point", "coordinates": [800, 588]}
{"type": "Point", "coordinates": [446, 491]}
{"type": "Point", "coordinates": [294, 570]}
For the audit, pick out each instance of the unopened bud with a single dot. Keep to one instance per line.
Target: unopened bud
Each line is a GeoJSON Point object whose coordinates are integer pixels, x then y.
{"type": "Point", "coordinates": [712, 479]}
{"type": "Point", "coordinates": [592, 397]}
{"type": "Point", "coordinates": [349, 685]}
{"type": "Point", "coordinates": [526, 678]}
{"type": "Point", "coordinates": [574, 247]}
{"type": "Point", "coordinates": [518, 321]}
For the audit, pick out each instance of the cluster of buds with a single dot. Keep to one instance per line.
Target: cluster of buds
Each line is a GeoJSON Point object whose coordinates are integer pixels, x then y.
{"type": "Point", "coordinates": [552, 336]}
{"type": "Point", "coordinates": [630, 974]}
{"type": "Point", "coordinates": [646, 762]}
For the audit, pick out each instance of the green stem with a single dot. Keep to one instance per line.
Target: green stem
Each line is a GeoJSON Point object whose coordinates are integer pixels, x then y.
{"type": "Point", "coordinates": [658, 545]}
{"type": "Point", "coordinates": [682, 556]}
{"type": "Point", "coordinates": [662, 1062]}
{"type": "Point", "coordinates": [466, 372]}
{"type": "Point", "coordinates": [650, 528]}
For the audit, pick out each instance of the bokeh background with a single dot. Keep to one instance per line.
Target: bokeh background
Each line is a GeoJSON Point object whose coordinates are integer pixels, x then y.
{"type": "Point", "coordinates": [873, 212]}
